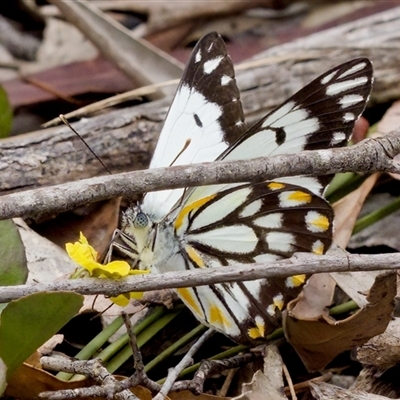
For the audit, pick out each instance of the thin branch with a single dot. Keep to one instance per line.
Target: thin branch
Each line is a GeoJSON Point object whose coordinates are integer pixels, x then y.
{"type": "Point", "coordinates": [300, 263]}
{"type": "Point", "coordinates": [109, 386]}
{"type": "Point", "coordinates": [213, 367]}
{"type": "Point", "coordinates": [368, 156]}
{"type": "Point", "coordinates": [173, 373]}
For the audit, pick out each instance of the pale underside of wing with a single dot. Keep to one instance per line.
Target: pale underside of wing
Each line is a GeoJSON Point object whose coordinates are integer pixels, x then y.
{"type": "Point", "coordinates": [205, 118]}
{"type": "Point", "coordinates": [261, 222]}
{"type": "Point", "coordinates": [319, 116]}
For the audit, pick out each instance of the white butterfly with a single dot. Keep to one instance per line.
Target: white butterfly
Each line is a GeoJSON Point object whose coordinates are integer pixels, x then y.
{"type": "Point", "coordinates": [214, 226]}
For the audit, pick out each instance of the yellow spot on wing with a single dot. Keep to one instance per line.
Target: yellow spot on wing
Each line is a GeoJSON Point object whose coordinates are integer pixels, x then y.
{"type": "Point", "coordinates": [296, 280]}
{"type": "Point", "coordinates": [194, 256]}
{"type": "Point", "coordinates": [318, 247]}
{"type": "Point", "coordinates": [322, 223]}
{"type": "Point", "coordinates": [300, 196]}
{"type": "Point", "coordinates": [278, 302]}
{"type": "Point", "coordinates": [191, 207]}
{"type": "Point", "coordinates": [258, 331]}
{"type": "Point", "coordinates": [187, 296]}
{"type": "Point", "coordinates": [276, 185]}
{"type": "Point", "coordinates": [217, 317]}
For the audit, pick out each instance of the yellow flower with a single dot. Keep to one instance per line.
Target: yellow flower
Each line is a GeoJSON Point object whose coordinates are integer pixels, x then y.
{"type": "Point", "coordinates": [86, 256]}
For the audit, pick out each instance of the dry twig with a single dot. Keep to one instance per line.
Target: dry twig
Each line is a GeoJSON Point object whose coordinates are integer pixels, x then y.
{"type": "Point", "coordinates": [109, 386]}
{"type": "Point", "coordinates": [368, 156]}
{"type": "Point", "coordinates": [300, 263]}
{"type": "Point", "coordinates": [174, 373]}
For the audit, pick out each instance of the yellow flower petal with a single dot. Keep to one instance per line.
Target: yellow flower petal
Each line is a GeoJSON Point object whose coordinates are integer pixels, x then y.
{"type": "Point", "coordinates": [136, 295]}
{"type": "Point", "coordinates": [112, 270]}
{"type": "Point", "coordinates": [121, 300]}
{"type": "Point", "coordinates": [86, 256]}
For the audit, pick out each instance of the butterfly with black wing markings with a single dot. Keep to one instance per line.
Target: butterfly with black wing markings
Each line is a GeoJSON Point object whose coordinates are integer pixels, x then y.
{"type": "Point", "coordinates": [214, 226]}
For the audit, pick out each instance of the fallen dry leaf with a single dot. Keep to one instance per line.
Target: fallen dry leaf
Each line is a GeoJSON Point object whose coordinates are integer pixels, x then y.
{"type": "Point", "coordinates": [374, 380]}
{"type": "Point", "coordinates": [267, 383]}
{"type": "Point", "coordinates": [348, 208]}
{"type": "Point", "coordinates": [28, 381]}
{"type": "Point", "coordinates": [382, 351]}
{"type": "Point", "coordinates": [383, 231]}
{"type": "Point", "coordinates": [62, 44]}
{"type": "Point", "coordinates": [139, 60]}
{"type": "Point", "coordinates": [97, 221]}
{"type": "Point", "coordinates": [325, 391]}
{"type": "Point", "coordinates": [315, 298]}
{"type": "Point", "coordinates": [391, 120]}
{"type": "Point", "coordinates": [320, 339]}
{"type": "Point", "coordinates": [46, 261]}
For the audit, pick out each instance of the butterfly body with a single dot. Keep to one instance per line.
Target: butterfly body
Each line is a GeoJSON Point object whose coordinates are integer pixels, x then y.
{"type": "Point", "coordinates": [243, 223]}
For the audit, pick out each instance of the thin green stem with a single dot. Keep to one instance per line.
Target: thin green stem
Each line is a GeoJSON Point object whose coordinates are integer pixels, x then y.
{"type": "Point", "coordinates": [96, 343]}
{"type": "Point", "coordinates": [175, 347]}
{"type": "Point", "coordinates": [344, 308]}
{"type": "Point", "coordinates": [142, 338]}
{"type": "Point", "coordinates": [376, 216]}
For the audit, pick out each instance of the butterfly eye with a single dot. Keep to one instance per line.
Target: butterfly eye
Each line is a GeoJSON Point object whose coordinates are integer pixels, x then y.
{"type": "Point", "coordinates": [141, 220]}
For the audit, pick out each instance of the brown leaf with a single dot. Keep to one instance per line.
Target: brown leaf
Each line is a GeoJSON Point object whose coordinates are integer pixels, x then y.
{"type": "Point", "coordinates": [319, 339]}
{"type": "Point", "coordinates": [391, 119]}
{"type": "Point", "coordinates": [268, 381]}
{"type": "Point", "coordinates": [137, 58]}
{"type": "Point", "coordinates": [325, 391]}
{"type": "Point", "coordinates": [390, 122]}
{"type": "Point", "coordinates": [97, 76]}
{"type": "Point", "coordinates": [315, 298]}
{"type": "Point", "coordinates": [347, 210]}
{"type": "Point", "coordinates": [97, 221]}
{"type": "Point", "coordinates": [354, 284]}
{"type": "Point", "coordinates": [374, 380]}
{"type": "Point", "coordinates": [382, 351]}
{"type": "Point", "coordinates": [28, 381]}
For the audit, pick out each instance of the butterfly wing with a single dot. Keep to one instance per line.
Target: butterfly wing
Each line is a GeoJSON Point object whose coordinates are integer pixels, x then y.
{"type": "Point", "coordinates": [319, 116]}
{"type": "Point", "coordinates": [261, 222]}
{"type": "Point", "coordinates": [224, 224]}
{"type": "Point", "coordinates": [205, 118]}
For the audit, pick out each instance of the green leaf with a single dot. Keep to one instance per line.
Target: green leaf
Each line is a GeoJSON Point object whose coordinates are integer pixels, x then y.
{"type": "Point", "coordinates": [29, 322]}
{"type": "Point", "coordinates": [6, 114]}
{"type": "Point", "coordinates": [13, 269]}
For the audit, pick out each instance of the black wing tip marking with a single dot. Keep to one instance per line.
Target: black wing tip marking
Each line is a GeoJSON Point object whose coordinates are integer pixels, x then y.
{"type": "Point", "coordinates": [216, 82]}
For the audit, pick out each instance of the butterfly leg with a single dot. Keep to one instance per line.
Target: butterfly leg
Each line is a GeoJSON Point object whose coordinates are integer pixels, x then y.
{"type": "Point", "coordinates": [124, 245]}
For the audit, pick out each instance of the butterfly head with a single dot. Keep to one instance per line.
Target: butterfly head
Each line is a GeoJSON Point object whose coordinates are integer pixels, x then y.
{"type": "Point", "coordinates": [138, 226]}
{"type": "Point", "coordinates": [141, 220]}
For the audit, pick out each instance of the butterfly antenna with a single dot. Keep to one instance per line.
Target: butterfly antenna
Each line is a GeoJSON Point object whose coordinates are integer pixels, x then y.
{"type": "Point", "coordinates": [185, 146]}
{"type": "Point", "coordinates": [65, 121]}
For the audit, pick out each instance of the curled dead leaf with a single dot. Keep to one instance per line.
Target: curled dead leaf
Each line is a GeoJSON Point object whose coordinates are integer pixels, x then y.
{"type": "Point", "coordinates": [319, 339]}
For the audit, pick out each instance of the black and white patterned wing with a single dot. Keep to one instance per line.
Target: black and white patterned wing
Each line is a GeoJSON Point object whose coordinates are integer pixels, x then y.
{"type": "Point", "coordinates": [205, 118]}
{"type": "Point", "coordinates": [261, 222]}
{"type": "Point", "coordinates": [223, 224]}
{"type": "Point", "coordinates": [319, 116]}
